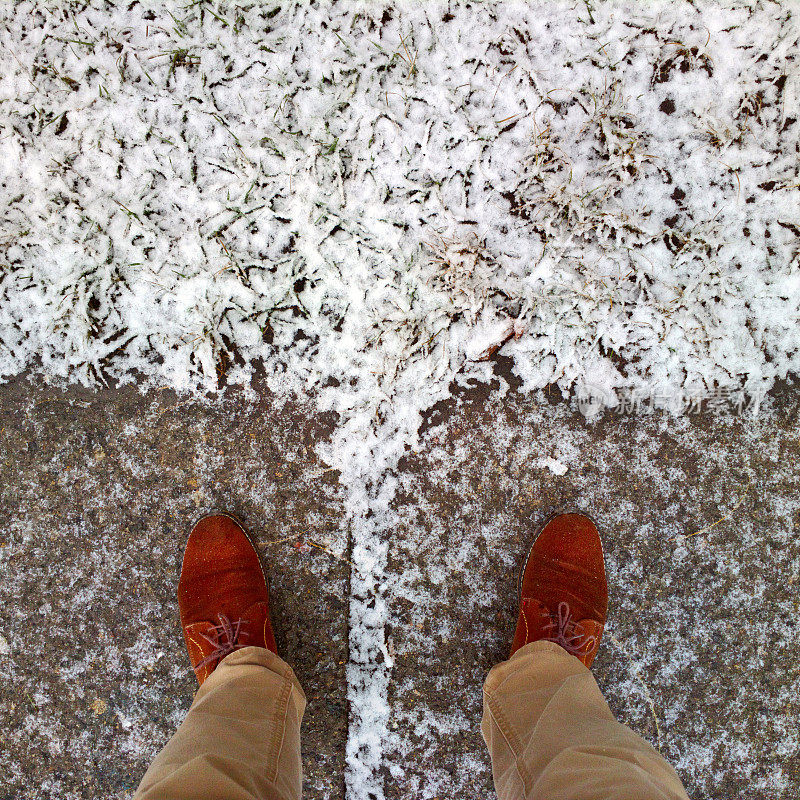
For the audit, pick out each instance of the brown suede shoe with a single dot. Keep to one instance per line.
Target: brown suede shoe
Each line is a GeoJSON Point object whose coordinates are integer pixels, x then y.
{"type": "Point", "coordinates": [562, 588]}
{"type": "Point", "coordinates": [222, 594]}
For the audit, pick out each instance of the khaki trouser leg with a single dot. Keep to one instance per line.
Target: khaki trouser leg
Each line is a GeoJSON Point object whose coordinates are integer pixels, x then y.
{"type": "Point", "coordinates": [552, 736]}
{"type": "Point", "coordinates": [240, 739]}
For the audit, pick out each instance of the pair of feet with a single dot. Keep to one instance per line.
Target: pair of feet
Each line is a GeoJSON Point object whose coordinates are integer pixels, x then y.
{"type": "Point", "coordinates": [224, 599]}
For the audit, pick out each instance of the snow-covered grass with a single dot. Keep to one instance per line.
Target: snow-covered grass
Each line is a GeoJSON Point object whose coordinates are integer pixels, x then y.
{"type": "Point", "coordinates": [383, 194]}
{"type": "Point", "coordinates": [365, 200]}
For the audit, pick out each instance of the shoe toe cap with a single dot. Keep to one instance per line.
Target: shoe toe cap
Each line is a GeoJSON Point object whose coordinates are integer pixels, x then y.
{"type": "Point", "coordinates": [219, 557]}
{"type": "Point", "coordinates": [216, 536]}
{"type": "Point", "coordinates": [573, 538]}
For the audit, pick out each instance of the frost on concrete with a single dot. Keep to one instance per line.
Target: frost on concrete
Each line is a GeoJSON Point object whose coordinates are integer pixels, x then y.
{"type": "Point", "coordinates": [366, 200]}
{"type": "Point", "coordinates": [700, 525]}
{"type": "Point", "coordinates": [98, 493]}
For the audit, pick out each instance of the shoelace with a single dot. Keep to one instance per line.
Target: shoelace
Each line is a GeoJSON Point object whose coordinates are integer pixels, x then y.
{"type": "Point", "coordinates": [567, 633]}
{"type": "Point", "coordinates": [225, 639]}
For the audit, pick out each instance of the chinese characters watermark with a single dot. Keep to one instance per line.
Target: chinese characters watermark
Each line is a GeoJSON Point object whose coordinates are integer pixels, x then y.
{"type": "Point", "coordinates": [735, 399]}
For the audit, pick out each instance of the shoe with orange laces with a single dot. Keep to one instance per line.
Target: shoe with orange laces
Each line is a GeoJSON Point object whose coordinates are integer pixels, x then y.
{"type": "Point", "coordinates": [562, 588]}
{"type": "Point", "coordinates": [222, 594]}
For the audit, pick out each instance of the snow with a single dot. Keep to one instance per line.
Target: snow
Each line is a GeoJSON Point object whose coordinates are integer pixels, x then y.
{"type": "Point", "coordinates": [554, 465]}
{"type": "Point", "coordinates": [357, 206]}
{"type": "Point", "coordinates": [367, 201]}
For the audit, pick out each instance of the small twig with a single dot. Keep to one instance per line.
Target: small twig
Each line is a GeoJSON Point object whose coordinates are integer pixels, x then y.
{"type": "Point", "coordinates": [331, 553]}
{"type": "Point", "coordinates": [721, 519]}
{"type": "Point", "coordinates": [281, 541]}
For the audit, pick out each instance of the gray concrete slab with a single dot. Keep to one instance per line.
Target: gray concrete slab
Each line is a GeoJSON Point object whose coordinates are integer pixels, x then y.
{"type": "Point", "coordinates": [97, 494]}
{"type": "Point", "coordinates": [98, 489]}
{"type": "Point", "coordinates": [700, 518]}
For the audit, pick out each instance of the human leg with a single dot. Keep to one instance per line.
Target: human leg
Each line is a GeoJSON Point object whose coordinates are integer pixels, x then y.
{"type": "Point", "coordinates": [240, 739]}
{"type": "Point", "coordinates": [550, 733]}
